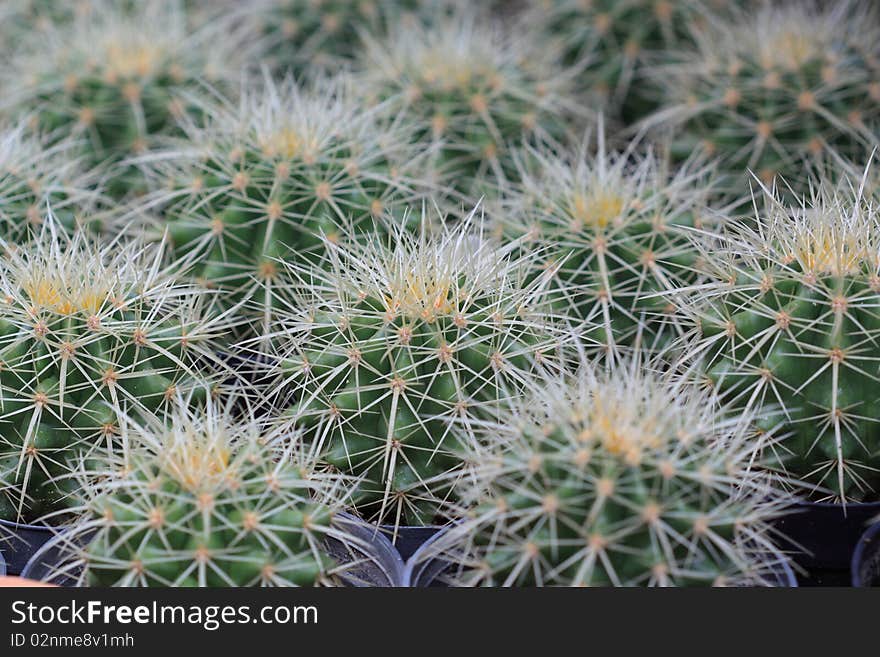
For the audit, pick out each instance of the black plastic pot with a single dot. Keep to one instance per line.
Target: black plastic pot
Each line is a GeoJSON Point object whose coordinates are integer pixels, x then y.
{"type": "Point", "coordinates": [52, 564]}
{"type": "Point", "coordinates": [820, 538]}
{"type": "Point", "coordinates": [366, 557]}
{"type": "Point", "coordinates": [19, 542]}
{"type": "Point", "coordinates": [408, 539]}
{"type": "Point", "coordinates": [865, 567]}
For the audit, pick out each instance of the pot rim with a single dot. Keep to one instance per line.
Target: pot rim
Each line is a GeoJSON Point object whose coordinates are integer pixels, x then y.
{"type": "Point", "coordinates": [859, 553]}
{"type": "Point", "coordinates": [36, 528]}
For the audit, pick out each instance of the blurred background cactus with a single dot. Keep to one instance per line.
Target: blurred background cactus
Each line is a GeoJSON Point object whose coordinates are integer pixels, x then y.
{"type": "Point", "coordinates": [476, 88]}
{"type": "Point", "coordinates": [37, 178]}
{"type": "Point", "coordinates": [89, 334]}
{"type": "Point", "coordinates": [777, 86]}
{"type": "Point", "coordinates": [614, 228]}
{"type": "Point", "coordinates": [116, 77]}
{"type": "Point", "coordinates": [616, 41]}
{"type": "Point", "coordinates": [788, 323]}
{"type": "Point", "coordinates": [270, 176]}
{"type": "Point", "coordinates": [204, 499]}
{"type": "Point", "coordinates": [308, 35]}
{"type": "Point", "coordinates": [393, 338]}
{"type": "Point", "coordinates": [613, 478]}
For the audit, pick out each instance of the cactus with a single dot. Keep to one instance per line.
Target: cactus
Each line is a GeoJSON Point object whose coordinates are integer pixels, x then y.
{"type": "Point", "coordinates": [36, 177]}
{"type": "Point", "coordinates": [778, 86]}
{"type": "Point", "coordinates": [207, 499]}
{"type": "Point", "coordinates": [381, 347]}
{"type": "Point", "coordinates": [618, 40]}
{"type": "Point", "coordinates": [88, 334]}
{"type": "Point", "coordinates": [621, 477]}
{"type": "Point", "coordinates": [475, 90]}
{"type": "Point", "coordinates": [787, 317]}
{"type": "Point", "coordinates": [302, 35]}
{"type": "Point", "coordinates": [118, 77]}
{"type": "Point", "coordinates": [615, 226]}
{"type": "Point", "coordinates": [789, 324]}
{"type": "Point", "coordinates": [266, 178]}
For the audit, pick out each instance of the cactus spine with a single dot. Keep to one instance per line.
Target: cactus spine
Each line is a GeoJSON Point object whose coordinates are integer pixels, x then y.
{"type": "Point", "coordinates": [615, 477]}
{"type": "Point", "coordinates": [382, 347]}
{"type": "Point", "coordinates": [778, 86]}
{"type": "Point", "coordinates": [265, 179]}
{"type": "Point", "coordinates": [789, 322]}
{"type": "Point", "coordinates": [117, 78]}
{"type": "Point", "coordinates": [615, 227]}
{"type": "Point", "coordinates": [89, 333]}
{"type": "Point", "coordinates": [475, 90]}
{"type": "Point", "coordinates": [204, 499]}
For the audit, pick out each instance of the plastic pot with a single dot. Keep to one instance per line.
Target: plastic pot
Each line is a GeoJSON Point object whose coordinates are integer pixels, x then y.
{"type": "Point", "coordinates": [53, 562]}
{"type": "Point", "coordinates": [426, 568]}
{"type": "Point", "coordinates": [865, 567]}
{"type": "Point", "coordinates": [365, 556]}
{"type": "Point", "coordinates": [820, 539]}
{"type": "Point", "coordinates": [407, 539]}
{"type": "Point", "coordinates": [19, 542]}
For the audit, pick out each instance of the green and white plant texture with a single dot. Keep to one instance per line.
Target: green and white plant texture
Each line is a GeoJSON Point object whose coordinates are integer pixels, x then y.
{"type": "Point", "coordinates": [475, 88]}
{"type": "Point", "coordinates": [620, 477]}
{"type": "Point", "coordinates": [615, 227]}
{"type": "Point", "coordinates": [89, 334]}
{"type": "Point", "coordinates": [269, 177]}
{"type": "Point", "coordinates": [305, 35]}
{"type": "Point", "coordinates": [116, 77]}
{"type": "Point", "coordinates": [617, 41]}
{"type": "Point", "coordinates": [776, 87]}
{"type": "Point", "coordinates": [37, 177]}
{"type": "Point", "coordinates": [789, 323]}
{"type": "Point", "coordinates": [392, 338]}
{"type": "Point", "coordinates": [204, 499]}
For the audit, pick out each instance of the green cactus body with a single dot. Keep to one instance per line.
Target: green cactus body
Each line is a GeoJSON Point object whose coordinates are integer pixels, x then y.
{"type": "Point", "coordinates": [618, 478]}
{"type": "Point", "coordinates": [36, 178]}
{"type": "Point", "coordinates": [88, 334]}
{"type": "Point", "coordinates": [118, 78]}
{"type": "Point", "coordinates": [778, 87]}
{"type": "Point", "coordinates": [203, 502]}
{"type": "Point", "coordinates": [394, 341]}
{"type": "Point", "coordinates": [617, 40]}
{"type": "Point", "coordinates": [615, 230]}
{"type": "Point", "coordinates": [790, 326]}
{"type": "Point", "coordinates": [474, 89]}
{"type": "Point", "coordinates": [302, 35]}
{"type": "Point", "coordinates": [269, 178]}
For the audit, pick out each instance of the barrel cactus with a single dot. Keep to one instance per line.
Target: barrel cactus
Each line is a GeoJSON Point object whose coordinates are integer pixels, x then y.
{"type": "Point", "coordinates": [89, 333]}
{"type": "Point", "coordinates": [266, 177]}
{"type": "Point", "coordinates": [620, 477]}
{"type": "Point", "coordinates": [778, 86]}
{"type": "Point", "coordinates": [617, 41]}
{"type": "Point", "coordinates": [475, 89]}
{"type": "Point", "coordinates": [37, 177]}
{"type": "Point", "coordinates": [118, 78]}
{"type": "Point", "coordinates": [305, 35]}
{"type": "Point", "coordinates": [378, 349]}
{"type": "Point", "coordinates": [204, 499]}
{"type": "Point", "coordinates": [789, 324]}
{"type": "Point", "coordinates": [615, 227]}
